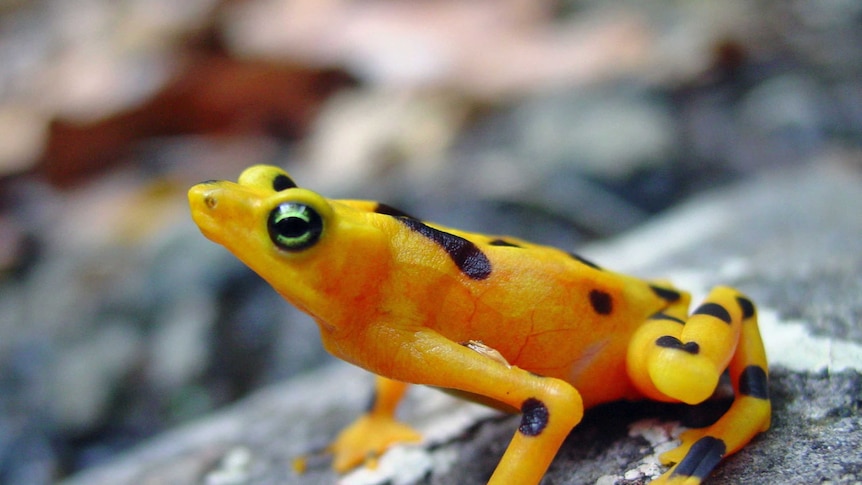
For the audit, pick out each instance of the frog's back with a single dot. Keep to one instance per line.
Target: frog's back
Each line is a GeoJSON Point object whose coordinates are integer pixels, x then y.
{"type": "Point", "coordinates": [543, 309]}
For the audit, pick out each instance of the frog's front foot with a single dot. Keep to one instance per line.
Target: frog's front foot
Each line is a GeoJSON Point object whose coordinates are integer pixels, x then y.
{"type": "Point", "coordinates": [366, 439]}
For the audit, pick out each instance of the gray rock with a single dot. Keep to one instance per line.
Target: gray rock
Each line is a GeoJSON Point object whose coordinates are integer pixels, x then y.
{"type": "Point", "coordinates": [86, 374]}
{"type": "Point", "coordinates": [179, 347]}
{"type": "Point", "coordinates": [791, 240]}
{"type": "Point", "coordinates": [584, 127]}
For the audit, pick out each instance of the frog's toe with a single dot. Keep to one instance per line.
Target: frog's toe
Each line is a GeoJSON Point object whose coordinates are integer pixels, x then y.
{"type": "Point", "coordinates": [366, 439]}
{"type": "Point", "coordinates": [687, 439]}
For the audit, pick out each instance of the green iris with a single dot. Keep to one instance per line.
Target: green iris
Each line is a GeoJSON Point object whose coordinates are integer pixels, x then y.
{"type": "Point", "coordinates": [294, 227]}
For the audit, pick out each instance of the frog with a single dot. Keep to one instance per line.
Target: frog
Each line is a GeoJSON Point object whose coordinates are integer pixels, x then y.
{"type": "Point", "coordinates": [526, 327]}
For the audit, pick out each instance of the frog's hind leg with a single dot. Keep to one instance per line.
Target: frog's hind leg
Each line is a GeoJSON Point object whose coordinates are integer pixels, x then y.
{"type": "Point", "coordinates": [684, 363]}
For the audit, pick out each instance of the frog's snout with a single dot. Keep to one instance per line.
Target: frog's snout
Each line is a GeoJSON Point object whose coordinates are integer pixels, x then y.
{"type": "Point", "coordinates": [203, 195]}
{"type": "Point", "coordinates": [203, 200]}
{"type": "Point", "coordinates": [219, 208]}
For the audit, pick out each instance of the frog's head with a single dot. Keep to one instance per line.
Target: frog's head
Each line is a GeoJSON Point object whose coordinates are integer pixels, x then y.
{"type": "Point", "coordinates": [320, 254]}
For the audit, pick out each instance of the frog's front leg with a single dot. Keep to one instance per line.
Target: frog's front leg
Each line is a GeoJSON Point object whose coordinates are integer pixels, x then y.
{"type": "Point", "coordinates": [676, 359]}
{"type": "Point", "coordinates": [375, 431]}
{"type": "Point", "coordinates": [550, 407]}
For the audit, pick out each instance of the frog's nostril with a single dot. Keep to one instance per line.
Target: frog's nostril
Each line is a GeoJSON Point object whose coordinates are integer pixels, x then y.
{"type": "Point", "coordinates": [210, 201]}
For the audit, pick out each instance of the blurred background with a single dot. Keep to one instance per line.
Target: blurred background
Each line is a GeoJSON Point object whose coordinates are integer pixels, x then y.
{"type": "Point", "coordinates": [562, 122]}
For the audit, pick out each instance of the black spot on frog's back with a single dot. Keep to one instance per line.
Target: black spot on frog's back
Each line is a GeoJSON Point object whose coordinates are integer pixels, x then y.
{"type": "Point", "coordinates": [503, 243]}
{"type": "Point", "coordinates": [282, 182]}
{"type": "Point", "coordinates": [388, 210]}
{"type": "Point", "coordinates": [602, 302]}
{"type": "Point", "coordinates": [467, 256]}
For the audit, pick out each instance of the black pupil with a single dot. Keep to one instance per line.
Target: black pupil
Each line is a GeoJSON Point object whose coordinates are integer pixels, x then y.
{"type": "Point", "coordinates": [292, 226]}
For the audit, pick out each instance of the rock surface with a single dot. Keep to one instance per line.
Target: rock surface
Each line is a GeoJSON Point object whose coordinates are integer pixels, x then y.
{"type": "Point", "coordinates": [790, 240]}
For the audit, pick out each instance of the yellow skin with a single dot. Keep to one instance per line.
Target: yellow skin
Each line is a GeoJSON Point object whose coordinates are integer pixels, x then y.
{"type": "Point", "coordinates": [530, 327]}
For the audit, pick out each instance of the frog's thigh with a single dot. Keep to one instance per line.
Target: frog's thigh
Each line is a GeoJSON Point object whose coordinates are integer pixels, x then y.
{"type": "Point", "coordinates": [550, 407]}
{"type": "Point", "coordinates": [721, 331]}
{"type": "Point", "coordinates": [375, 431]}
{"type": "Point", "coordinates": [681, 360]}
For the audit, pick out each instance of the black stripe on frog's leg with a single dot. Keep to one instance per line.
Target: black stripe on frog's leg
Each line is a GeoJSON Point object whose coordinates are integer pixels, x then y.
{"type": "Point", "coordinates": [282, 182]}
{"type": "Point", "coordinates": [754, 382]}
{"type": "Point", "coordinates": [746, 306]}
{"type": "Point", "coordinates": [466, 256]}
{"type": "Point", "coordinates": [388, 210]}
{"type": "Point", "coordinates": [671, 342]}
{"type": "Point", "coordinates": [665, 316]}
{"type": "Point", "coordinates": [534, 417]}
{"type": "Point", "coordinates": [665, 294]}
{"type": "Point", "coordinates": [701, 458]}
{"type": "Point", "coordinates": [714, 310]}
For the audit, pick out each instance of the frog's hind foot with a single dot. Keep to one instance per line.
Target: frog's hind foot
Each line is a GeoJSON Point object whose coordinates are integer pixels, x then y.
{"type": "Point", "coordinates": [695, 459]}
{"type": "Point", "coordinates": [681, 359]}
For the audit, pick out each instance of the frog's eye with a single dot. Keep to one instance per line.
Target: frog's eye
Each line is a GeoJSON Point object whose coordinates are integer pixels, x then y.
{"type": "Point", "coordinates": [294, 227]}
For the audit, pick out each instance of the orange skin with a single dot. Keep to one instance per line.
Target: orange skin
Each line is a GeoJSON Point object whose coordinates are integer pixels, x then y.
{"type": "Point", "coordinates": [530, 327]}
